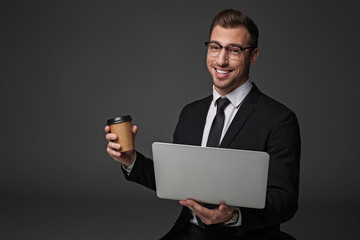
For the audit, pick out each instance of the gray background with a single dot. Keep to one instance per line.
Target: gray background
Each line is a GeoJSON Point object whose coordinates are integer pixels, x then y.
{"type": "Point", "coordinates": [68, 66]}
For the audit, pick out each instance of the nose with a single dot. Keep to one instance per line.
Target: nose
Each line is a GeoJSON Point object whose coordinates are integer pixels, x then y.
{"type": "Point", "coordinates": [222, 58]}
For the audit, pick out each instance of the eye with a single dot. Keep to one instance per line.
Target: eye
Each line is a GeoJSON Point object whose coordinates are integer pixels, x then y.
{"type": "Point", "coordinates": [235, 50]}
{"type": "Point", "coordinates": [214, 46]}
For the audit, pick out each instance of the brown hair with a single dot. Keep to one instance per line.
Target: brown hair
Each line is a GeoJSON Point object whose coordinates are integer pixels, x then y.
{"type": "Point", "coordinates": [230, 18]}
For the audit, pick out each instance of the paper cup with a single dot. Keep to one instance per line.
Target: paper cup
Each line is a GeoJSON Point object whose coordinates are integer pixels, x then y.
{"type": "Point", "coordinates": [122, 127]}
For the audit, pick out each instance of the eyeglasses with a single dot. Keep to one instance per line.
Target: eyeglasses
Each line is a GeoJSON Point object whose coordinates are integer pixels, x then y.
{"type": "Point", "coordinates": [233, 50]}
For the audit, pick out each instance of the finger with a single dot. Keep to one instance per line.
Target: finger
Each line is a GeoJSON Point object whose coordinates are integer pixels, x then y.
{"type": "Point", "coordinates": [134, 129]}
{"type": "Point", "coordinates": [197, 212]}
{"type": "Point", "coordinates": [113, 152]}
{"type": "Point", "coordinates": [201, 211]}
{"type": "Point", "coordinates": [107, 128]}
{"type": "Point", "coordinates": [114, 146]}
{"type": "Point", "coordinates": [194, 205]}
{"type": "Point", "coordinates": [188, 204]}
{"type": "Point", "coordinates": [111, 136]}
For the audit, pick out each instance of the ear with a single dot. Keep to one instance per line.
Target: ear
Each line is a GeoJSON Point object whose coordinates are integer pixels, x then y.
{"type": "Point", "coordinates": [254, 56]}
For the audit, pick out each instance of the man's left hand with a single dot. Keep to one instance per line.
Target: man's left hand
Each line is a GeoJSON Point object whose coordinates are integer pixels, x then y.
{"type": "Point", "coordinates": [208, 216]}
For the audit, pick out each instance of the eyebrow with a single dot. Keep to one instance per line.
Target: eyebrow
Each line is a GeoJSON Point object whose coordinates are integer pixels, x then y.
{"type": "Point", "coordinates": [229, 45]}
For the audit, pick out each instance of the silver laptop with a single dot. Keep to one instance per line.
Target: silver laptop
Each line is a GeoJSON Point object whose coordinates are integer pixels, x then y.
{"type": "Point", "coordinates": [211, 175]}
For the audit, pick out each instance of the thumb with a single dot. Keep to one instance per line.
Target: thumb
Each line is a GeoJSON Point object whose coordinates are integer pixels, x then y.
{"type": "Point", "coordinates": [223, 208]}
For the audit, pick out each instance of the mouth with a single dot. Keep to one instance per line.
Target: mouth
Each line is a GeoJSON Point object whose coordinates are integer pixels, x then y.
{"type": "Point", "coordinates": [222, 73]}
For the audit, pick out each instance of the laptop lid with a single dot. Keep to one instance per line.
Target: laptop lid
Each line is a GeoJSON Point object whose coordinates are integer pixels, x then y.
{"type": "Point", "coordinates": [211, 175]}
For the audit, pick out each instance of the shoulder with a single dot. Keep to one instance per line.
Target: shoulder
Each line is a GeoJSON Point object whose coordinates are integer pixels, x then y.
{"type": "Point", "coordinates": [272, 110]}
{"type": "Point", "coordinates": [268, 104]}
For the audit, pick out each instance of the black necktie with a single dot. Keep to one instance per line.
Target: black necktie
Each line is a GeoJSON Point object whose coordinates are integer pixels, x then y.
{"type": "Point", "coordinates": [214, 137]}
{"type": "Point", "coordinates": [218, 123]}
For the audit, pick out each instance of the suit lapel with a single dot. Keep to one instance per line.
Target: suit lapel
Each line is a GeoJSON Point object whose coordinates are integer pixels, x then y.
{"type": "Point", "coordinates": [246, 109]}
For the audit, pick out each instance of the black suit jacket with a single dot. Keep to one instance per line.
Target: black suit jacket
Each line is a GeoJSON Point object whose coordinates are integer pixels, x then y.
{"type": "Point", "coordinates": [261, 124]}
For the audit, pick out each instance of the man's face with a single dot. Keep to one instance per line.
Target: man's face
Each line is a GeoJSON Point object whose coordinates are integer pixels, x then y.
{"type": "Point", "coordinates": [227, 73]}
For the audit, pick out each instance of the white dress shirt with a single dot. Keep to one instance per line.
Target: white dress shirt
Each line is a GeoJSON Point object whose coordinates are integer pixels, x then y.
{"type": "Point", "coordinates": [236, 97]}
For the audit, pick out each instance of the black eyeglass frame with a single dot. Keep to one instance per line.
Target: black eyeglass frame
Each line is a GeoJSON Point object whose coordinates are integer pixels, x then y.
{"type": "Point", "coordinates": [226, 47]}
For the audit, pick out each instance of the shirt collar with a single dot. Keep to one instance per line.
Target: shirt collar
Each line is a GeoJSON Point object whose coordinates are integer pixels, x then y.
{"type": "Point", "coordinates": [236, 96]}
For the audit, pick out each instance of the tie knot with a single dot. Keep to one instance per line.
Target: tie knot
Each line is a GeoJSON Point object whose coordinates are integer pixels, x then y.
{"type": "Point", "coordinates": [222, 103]}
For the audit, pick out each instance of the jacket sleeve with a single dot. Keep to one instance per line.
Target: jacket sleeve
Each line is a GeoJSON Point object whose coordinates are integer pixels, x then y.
{"type": "Point", "coordinates": [142, 172]}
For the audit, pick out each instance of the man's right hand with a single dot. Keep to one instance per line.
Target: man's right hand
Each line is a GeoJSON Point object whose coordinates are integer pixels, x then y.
{"type": "Point", "coordinates": [126, 158]}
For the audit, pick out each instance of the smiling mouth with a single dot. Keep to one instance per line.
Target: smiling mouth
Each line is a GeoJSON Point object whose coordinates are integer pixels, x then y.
{"type": "Point", "coordinates": [222, 71]}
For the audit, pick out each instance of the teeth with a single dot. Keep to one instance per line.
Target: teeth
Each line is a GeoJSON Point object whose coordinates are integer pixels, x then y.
{"type": "Point", "coordinates": [221, 72]}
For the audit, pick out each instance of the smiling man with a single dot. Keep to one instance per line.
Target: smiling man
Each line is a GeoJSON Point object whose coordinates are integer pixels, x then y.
{"type": "Point", "coordinates": [238, 116]}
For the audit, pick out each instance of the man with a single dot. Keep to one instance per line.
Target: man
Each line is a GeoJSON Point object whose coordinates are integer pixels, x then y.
{"type": "Point", "coordinates": [250, 121]}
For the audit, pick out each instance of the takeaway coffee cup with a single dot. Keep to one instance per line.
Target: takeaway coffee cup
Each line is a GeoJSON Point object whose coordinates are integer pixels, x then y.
{"type": "Point", "coordinates": [122, 127]}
